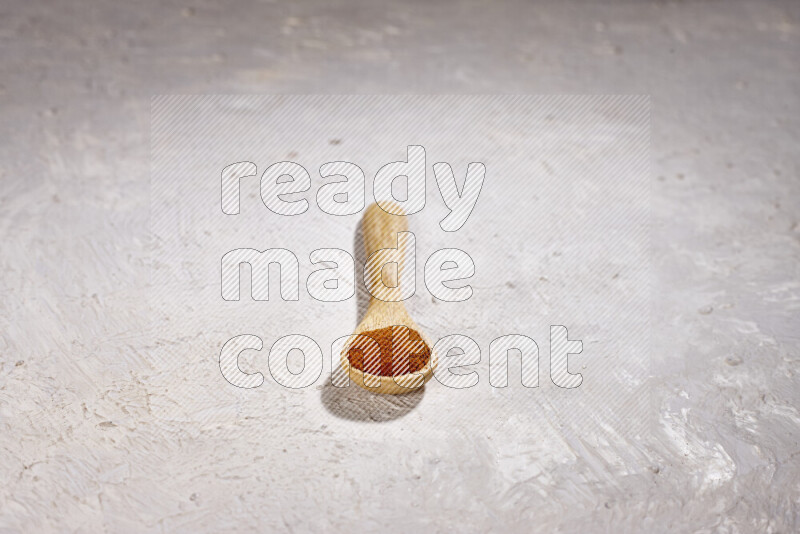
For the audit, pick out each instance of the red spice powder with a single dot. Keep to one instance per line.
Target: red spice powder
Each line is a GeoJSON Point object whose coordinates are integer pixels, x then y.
{"type": "Point", "coordinates": [412, 353]}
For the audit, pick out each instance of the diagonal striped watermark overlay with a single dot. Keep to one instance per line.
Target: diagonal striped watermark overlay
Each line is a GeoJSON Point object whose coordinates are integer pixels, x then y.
{"type": "Point", "coordinates": [522, 256]}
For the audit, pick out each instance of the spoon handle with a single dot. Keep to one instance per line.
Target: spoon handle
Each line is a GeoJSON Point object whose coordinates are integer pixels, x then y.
{"type": "Point", "coordinates": [380, 232]}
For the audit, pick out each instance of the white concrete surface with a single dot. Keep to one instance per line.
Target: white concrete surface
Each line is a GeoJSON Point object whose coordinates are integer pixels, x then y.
{"type": "Point", "coordinates": [84, 442]}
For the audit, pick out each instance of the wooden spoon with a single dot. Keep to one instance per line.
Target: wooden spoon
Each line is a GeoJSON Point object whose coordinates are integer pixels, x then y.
{"type": "Point", "coordinates": [380, 232]}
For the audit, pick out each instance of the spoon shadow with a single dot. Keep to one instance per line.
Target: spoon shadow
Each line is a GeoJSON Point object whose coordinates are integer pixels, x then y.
{"type": "Point", "coordinates": [354, 403]}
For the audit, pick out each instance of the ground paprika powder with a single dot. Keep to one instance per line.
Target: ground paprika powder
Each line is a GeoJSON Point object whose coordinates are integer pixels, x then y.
{"type": "Point", "coordinates": [392, 359]}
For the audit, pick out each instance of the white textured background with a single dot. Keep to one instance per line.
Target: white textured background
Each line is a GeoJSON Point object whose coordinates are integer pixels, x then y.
{"type": "Point", "coordinates": [82, 447]}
